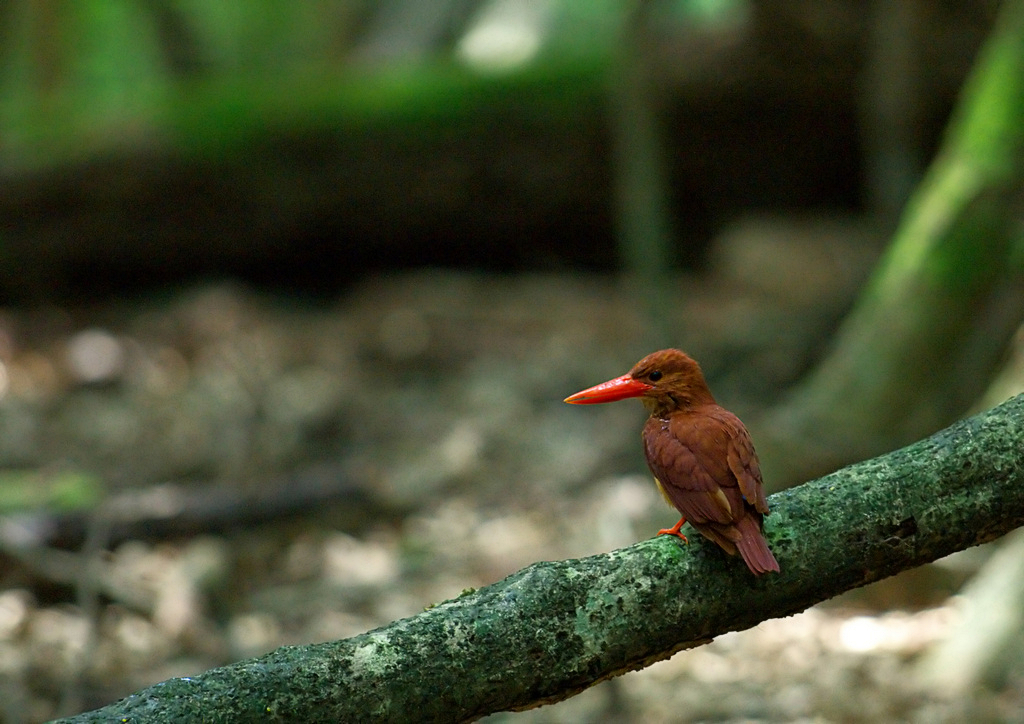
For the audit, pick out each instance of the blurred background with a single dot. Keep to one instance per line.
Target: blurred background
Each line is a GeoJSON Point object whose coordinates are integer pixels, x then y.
{"type": "Point", "coordinates": [291, 292]}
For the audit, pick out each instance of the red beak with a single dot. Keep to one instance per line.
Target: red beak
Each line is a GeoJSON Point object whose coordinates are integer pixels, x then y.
{"type": "Point", "coordinates": [620, 388]}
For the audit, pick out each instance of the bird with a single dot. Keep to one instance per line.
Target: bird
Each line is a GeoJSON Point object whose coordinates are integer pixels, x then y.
{"type": "Point", "coordinates": [700, 454]}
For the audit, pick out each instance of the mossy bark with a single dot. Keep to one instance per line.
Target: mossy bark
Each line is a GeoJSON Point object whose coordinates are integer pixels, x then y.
{"type": "Point", "coordinates": [556, 628]}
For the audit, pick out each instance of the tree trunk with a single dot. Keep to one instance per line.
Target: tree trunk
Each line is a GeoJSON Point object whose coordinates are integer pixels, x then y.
{"type": "Point", "coordinates": [944, 302]}
{"type": "Point", "coordinates": [640, 168]}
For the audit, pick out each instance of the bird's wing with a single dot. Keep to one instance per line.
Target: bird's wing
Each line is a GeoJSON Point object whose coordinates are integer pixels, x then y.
{"type": "Point", "coordinates": [689, 476]}
{"type": "Point", "coordinates": [701, 455]}
{"type": "Point", "coordinates": [743, 461]}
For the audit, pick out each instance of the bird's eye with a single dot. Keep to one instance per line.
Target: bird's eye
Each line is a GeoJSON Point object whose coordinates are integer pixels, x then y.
{"type": "Point", "coordinates": [654, 376]}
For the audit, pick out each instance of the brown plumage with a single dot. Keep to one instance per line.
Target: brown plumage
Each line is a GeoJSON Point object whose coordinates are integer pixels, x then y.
{"type": "Point", "coordinates": [700, 454]}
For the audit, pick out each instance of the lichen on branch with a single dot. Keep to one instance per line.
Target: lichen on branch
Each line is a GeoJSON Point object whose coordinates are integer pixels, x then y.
{"type": "Point", "coordinates": [556, 628]}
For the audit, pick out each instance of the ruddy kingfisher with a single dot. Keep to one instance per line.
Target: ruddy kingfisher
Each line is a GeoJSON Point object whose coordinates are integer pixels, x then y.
{"type": "Point", "coordinates": [701, 455]}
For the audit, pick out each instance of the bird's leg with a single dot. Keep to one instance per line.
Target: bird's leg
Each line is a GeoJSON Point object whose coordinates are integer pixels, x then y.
{"type": "Point", "coordinates": [674, 530]}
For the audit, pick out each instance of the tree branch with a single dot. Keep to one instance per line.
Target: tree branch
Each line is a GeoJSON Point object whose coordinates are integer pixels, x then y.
{"type": "Point", "coordinates": [556, 628]}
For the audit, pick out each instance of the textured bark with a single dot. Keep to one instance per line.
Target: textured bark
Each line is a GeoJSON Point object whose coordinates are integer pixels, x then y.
{"type": "Point", "coordinates": [556, 628]}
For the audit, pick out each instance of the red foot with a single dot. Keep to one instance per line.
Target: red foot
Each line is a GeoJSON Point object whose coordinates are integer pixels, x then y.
{"type": "Point", "coordinates": [674, 530]}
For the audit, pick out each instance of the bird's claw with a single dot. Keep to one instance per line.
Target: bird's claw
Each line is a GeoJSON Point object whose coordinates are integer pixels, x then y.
{"type": "Point", "coordinates": [674, 530]}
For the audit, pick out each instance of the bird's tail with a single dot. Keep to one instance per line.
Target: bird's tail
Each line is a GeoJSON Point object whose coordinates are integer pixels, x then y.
{"type": "Point", "coordinates": [754, 548]}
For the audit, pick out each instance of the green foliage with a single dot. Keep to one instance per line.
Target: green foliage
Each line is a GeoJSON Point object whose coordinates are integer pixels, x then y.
{"type": "Point", "coordinates": [94, 77]}
{"type": "Point", "coordinates": [22, 490]}
{"type": "Point", "coordinates": [241, 37]}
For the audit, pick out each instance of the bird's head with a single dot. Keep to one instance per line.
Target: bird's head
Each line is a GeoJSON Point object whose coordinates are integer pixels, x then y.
{"type": "Point", "coordinates": [665, 381]}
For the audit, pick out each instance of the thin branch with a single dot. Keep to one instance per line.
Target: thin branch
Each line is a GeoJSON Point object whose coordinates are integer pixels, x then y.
{"type": "Point", "coordinates": [556, 628]}
{"type": "Point", "coordinates": [174, 510]}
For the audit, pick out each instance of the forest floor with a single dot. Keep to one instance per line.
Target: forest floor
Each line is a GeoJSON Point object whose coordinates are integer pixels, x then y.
{"type": "Point", "coordinates": [421, 416]}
